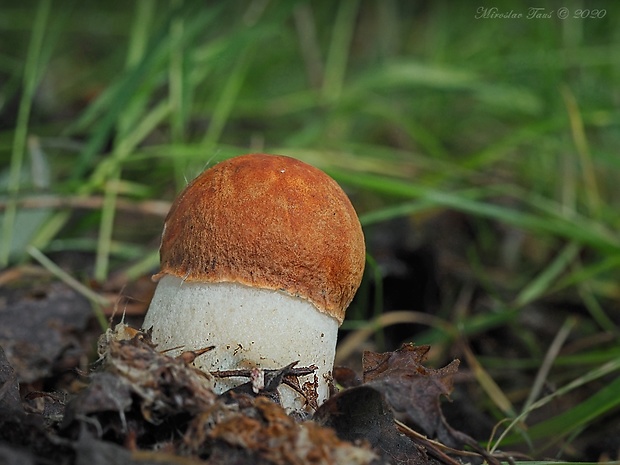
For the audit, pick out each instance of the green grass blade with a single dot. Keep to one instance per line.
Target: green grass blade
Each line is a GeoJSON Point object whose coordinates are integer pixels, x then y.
{"type": "Point", "coordinates": [227, 98]}
{"type": "Point", "coordinates": [597, 404]}
{"type": "Point", "coordinates": [543, 282]}
{"type": "Point", "coordinates": [603, 402]}
{"type": "Point", "coordinates": [568, 228]}
{"type": "Point", "coordinates": [339, 51]}
{"type": "Point", "coordinates": [113, 175]}
{"type": "Point", "coordinates": [31, 77]}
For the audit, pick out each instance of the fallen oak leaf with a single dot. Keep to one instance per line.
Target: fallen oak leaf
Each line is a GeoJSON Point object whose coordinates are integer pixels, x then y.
{"type": "Point", "coordinates": [415, 390]}
{"type": "Point", "coordinates": [361, 415]}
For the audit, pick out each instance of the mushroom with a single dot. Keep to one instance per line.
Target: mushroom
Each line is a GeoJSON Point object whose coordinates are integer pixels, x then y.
{"type": "Point", "coordinates": [260, 257]}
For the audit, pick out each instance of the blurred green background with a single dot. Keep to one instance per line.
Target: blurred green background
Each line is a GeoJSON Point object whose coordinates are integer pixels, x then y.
{"type": "Point", "coordinates": [488, 141]}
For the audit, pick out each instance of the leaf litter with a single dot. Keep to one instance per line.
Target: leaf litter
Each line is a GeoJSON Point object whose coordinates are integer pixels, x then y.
{"type": "Point", "coordinates": [139, 405]}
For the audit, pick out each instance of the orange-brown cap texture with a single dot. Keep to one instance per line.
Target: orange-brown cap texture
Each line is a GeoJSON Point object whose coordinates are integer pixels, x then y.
{"type": "Point", "coordinates": [267, 221]}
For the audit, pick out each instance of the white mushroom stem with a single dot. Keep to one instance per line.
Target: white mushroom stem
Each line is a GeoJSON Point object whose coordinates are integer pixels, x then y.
{"type": "Point", "coordinates": [249, 327]}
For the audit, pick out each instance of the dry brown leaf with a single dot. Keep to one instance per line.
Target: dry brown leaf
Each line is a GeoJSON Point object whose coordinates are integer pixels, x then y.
{"type": "Point", "coordinates": [361, 414]}
{"type": "Point", "coordinates": [413, 389]}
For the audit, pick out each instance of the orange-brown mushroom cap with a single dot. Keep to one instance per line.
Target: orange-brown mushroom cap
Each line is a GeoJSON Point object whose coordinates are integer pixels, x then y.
{"type": "Point", "coordinates": [271, 222]}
